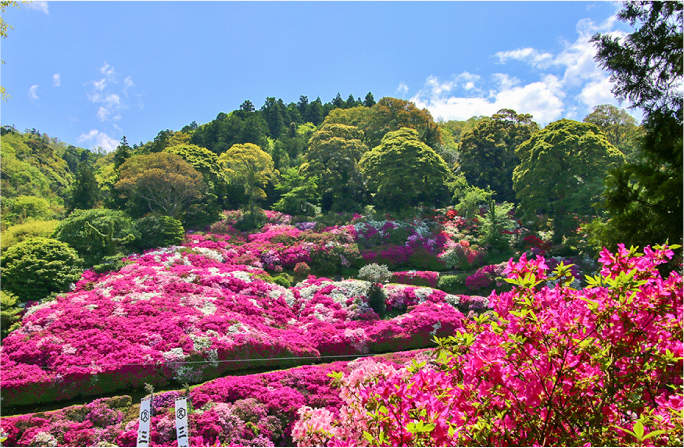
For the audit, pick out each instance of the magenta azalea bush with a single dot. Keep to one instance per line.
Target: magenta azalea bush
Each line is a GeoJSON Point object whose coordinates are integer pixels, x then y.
{"type": "Point", "coordinates": [418, 278]}
{"type": "Point", "coordinates": [555, 366]}
{"type": "Point", "coordinates": [188, 314]}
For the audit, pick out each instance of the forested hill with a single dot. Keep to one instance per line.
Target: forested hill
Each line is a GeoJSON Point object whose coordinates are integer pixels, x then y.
{"type": "Point", "coordinates": [341, 156]}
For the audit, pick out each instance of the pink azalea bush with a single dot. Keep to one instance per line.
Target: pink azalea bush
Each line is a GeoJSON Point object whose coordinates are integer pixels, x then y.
{"type": "Point", "coordinates": [485, 277]}
{"type": "Point", "coordinates": [550, 366]}
{"type": "Point", "coordinates": [418, 278]}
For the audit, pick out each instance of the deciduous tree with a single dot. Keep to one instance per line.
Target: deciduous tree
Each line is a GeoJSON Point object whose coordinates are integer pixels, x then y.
{"type": "Point", "coordinates": [405, 171]}
{"type": "Point", "coordinates": [487, 157]}
{"type": "Point", "coordinates": [561, 173]}
{"type": "Point", "coordinates": [249, 166]}
{"type": "Point", "coordinates": [333, 157]}
{"type": "Point", "coordinates": [162, 182]}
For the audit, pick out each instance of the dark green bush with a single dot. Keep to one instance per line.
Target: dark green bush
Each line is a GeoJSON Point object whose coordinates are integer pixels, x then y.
{"type": "Point", "coordinates": [283, 279]}
{"type": "Point", "coordinates": [10, 312]}
{"type": "Point", "coordinates": [94, 245]}
{"type": "Point", "coordinates": [249, 221]}
{"type": "Point", "coordinates": [37, 267]}
{"type": "Point", "coordinates": [158, 231]}
{"type": "Point", "coordinates": [453, 283]}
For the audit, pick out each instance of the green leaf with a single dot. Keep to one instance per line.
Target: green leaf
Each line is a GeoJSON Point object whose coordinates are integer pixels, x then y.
{"type": "Point", "coordinates": [654, 434]}
{"type": "Point", "coordinates": [639, 430]}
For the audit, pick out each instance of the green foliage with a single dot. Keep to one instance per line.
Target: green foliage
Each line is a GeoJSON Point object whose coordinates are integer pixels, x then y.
{"type": "Point", "coordinates": [487, 155]}
{"type": "Point", "coordinates": [250, 167]}
{"type": "Point", "coordinates": [161, 183]}
{"type": "Point", "coordinates": [37, 267]}
{"type": "Point", "coordinates": [453, 284]}
{"type": "Point", "coordinates": [493, 223]}
{"type": "Point", "coordinates": [405, 171]}
{"type": "Point", "coordinates": [470, 199]}
{"type": "Point", "coordinates": [646, 65]}
{"type": "Point", "coordinates": [19, 209]}
{"type": "Point", "coordinates": [620, 128]}
{"type": "Point", "coordinates": [391, 114]}
{"type": "Point", "coordinates": [251, 221]}
{"type": "Point", "coordinates": [561, 173]}
{"type": "Point", "coordinates": [376, 274]}
{"type": "Point", "coordinates": [644, 197]}
{"type": "Point", "coordinates": [85, 192]}
{"type": "Point", "coordinates": [333, 157]}
{"type": "Point", "coordinates": [76, 230]}
{"type": "Point", "coordinates": [31, 166]}
{"type": "Point", "coordinates": [29, 229]}
{"type": "Point", "coordinates": [10, 312]}
{"type": "Point", "coordinates": [157, 230]}
{"type": "Point", "coordinates": [283, 279]}
{"type": "Point", "coordinates": [457, 129]}
{"type": "Point", "coordinates": [299, 195]}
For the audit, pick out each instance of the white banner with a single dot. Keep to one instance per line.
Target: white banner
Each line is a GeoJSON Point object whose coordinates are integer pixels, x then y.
{"type": "Point", "coordinates": [182, 421]}
{"type": "Point", "coordinates": [144, 423]}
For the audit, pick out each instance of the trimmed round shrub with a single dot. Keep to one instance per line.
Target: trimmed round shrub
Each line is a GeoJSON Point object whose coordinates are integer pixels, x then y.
{"type": "Point", "coordinates": [375, 273]}
{"type": "Point", "coordinates": [158, 231]}
{"type": "Point", "coordinates": [37, 267]}
{"type": "Point", "coordinates": [283, 279]}
{"type": "Point", "coordinates": [90, 245]}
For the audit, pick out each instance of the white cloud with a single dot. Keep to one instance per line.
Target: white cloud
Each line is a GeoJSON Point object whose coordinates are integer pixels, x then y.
{"type": "Point", "coordinates": [41, 6]}
{"type": "Point", "coordinates": [568, 84]}
{"type": "Point", "coordinates": [528, 55]}
{"type": "Point", "coordinates": [32, 92]}
{"type": "Point", "coordinates": [56, 80]}
{"type": "Point", "coordinates": [98, 139]}
{"type": "Point", "coordinates": [103, 94]}
{"type": "Point", "coordinates": [128, 82]}
{"type": "Point", "coordinates": [402, 89]}
{"type": "Point", "coordinates": [542, 99]}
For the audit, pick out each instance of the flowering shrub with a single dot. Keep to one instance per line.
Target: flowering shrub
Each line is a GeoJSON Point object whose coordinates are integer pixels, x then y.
{"type": "Point", "coordinates": [461, 255]}
{"type": "Point", "coordinates": [418, 278]}
{"type": "Point", "coordinates": [485, 277]}
{"type": "Point", "coordinates": [599, 366]}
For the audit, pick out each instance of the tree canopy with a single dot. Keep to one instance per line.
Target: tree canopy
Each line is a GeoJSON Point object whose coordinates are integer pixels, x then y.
{"type": "Point", "coordinates": [250, 167]}
{"type": "Point", "coordinates": [487, 157]}
{"type": "Point", "coordinates": [164, 183]}
{"type": "Point", "coordinates": [561, 173]}
{"type": "Point", "coordinates": [333, 157]}
{"type": "Point", "coordinates": [403, 170]}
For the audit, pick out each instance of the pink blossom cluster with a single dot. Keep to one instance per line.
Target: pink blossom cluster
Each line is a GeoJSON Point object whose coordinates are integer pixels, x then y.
{"type": "Point", "coordinates": [251, 410]}
{"type": "Point", "coordinates": [186, 314]}
{"type": "Point", "coordinates": [551, 366]}
{"type": "Point", "coordinates": [485, 277]}
{"type": "Point", "coordinates": [418, 278]}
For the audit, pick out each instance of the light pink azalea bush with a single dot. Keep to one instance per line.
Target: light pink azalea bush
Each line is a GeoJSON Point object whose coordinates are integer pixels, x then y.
{"type": "Point", "coordinates": [550, 366]}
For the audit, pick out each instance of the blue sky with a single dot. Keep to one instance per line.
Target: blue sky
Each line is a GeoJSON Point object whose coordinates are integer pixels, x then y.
{"type": "Point", "coordinates": [91, 72]}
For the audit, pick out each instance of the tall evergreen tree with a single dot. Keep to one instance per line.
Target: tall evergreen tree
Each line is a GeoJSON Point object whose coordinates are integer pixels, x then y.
{"type": "Point", "coordinates": [122, 153]}
{"type": "Point", "coordinates": [369, 100]}
{"type": "Point", "coordinates": [85, 192]}
{"type": "Point", "coordinates": [644, 198]}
